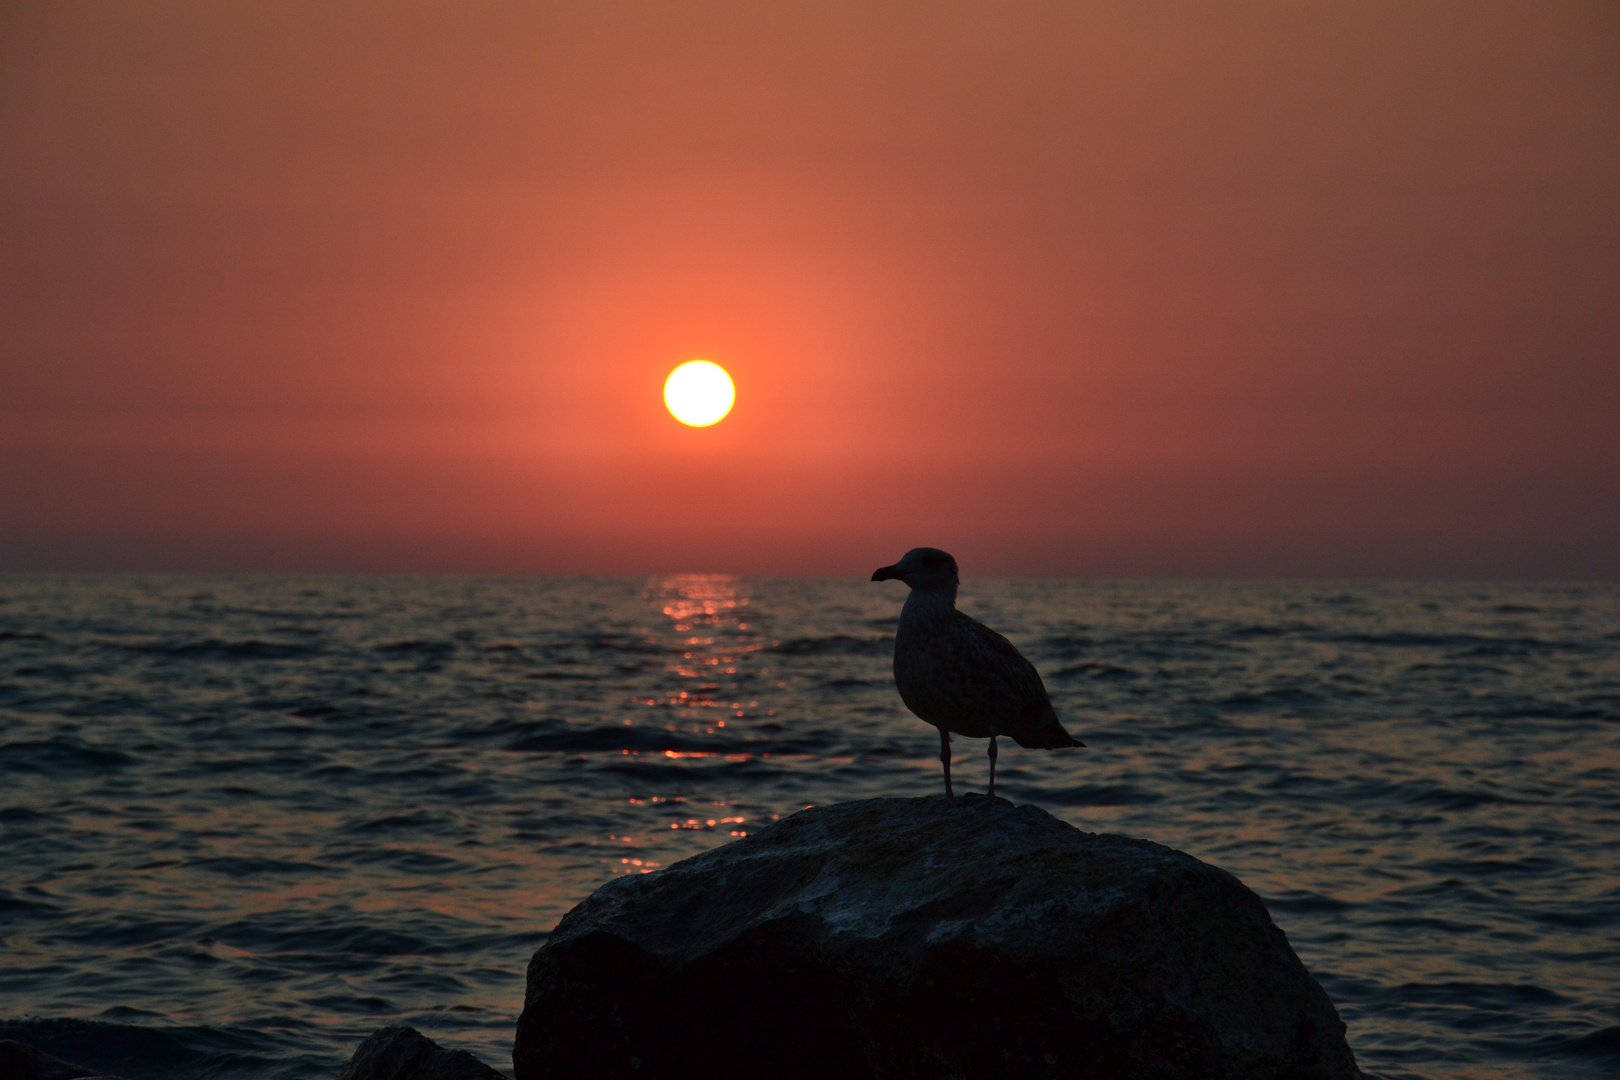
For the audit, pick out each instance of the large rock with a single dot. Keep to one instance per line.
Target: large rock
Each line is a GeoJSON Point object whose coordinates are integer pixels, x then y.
{"type": "Point", "coordinates": [931, 938]}
{"type": "Point", "coordinates": [403, 1053]}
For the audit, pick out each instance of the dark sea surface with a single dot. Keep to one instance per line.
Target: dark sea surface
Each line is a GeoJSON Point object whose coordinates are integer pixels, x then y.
{"type": "Point", "coordinates": [244, 821]}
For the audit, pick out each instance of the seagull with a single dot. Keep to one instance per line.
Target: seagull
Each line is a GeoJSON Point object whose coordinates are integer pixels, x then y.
{"type": "Point", "coordinates": [958, 674]}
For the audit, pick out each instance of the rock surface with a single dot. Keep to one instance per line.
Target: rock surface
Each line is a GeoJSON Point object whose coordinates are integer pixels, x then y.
{"type": "Point", "coordinates": [932, 938]}
{"type": "Point", "coordinates": [403, 1053]}
{"type": "Point", "coordinates": [19, 1061]}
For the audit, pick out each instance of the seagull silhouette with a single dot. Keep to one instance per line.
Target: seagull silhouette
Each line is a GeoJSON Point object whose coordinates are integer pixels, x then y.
{"type": "Point", "coordinates": [958, 674]}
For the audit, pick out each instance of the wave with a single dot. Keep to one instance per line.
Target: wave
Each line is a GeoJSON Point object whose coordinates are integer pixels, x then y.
{"type": "Point", "coordinates": [247, 868]}
{"type": "Point", "coordinates": [1505, 996]}
{"type": "Point", "coordinates": [13, 906]}
{"type": "Point", "coordinates": [648, 741]}
{"type": "Point", "coordinates": [1098, 671]}
{"type": "Point", "coordinates": [1304, 902]}
{"type": "Point", "coordinates": [1101, 795]}
{"type": "Point", "coordinates": [61, 755]}
{"type": "Point", "coordinates": [832, 645]}
{"type": "Point", "coordinates": [137, 1052]}
{"type": "Point", "coordinates": [1468, 644]}
{"type": "Point", "coordinates": [432, 649]}
{"type": "Point", "coordinates": [1290, 699]}
{"type": "Point", "coordinates": [1604, 1043]}
{"type": "Point", "coordinates": [218, 649]}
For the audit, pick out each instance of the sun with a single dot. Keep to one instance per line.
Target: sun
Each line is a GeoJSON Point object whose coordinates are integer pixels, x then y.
{"type": "Point", "coordinates": [699, 393]}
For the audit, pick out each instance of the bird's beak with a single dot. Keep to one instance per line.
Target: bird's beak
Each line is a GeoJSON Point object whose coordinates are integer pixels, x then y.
{"type": "Point", "coordinates": [884, 573]}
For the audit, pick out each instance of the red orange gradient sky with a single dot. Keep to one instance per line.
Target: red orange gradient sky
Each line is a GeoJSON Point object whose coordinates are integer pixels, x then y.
{"type": "Point", "coordinates": [1256, 288]}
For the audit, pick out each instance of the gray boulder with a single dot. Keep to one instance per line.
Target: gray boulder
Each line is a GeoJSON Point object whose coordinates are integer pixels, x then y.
{"type": "Point", "coordinates": [403, 1053]}
{"type": "Point", "coordinates": [926, 938]}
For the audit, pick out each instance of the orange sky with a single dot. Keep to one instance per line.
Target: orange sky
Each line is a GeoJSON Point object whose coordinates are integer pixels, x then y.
{"type": "Point", "coordinates": [1124, 289]}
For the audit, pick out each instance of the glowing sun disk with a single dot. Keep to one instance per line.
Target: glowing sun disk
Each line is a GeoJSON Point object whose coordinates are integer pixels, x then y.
{"type": "Point", "coordinates": [699, 393]}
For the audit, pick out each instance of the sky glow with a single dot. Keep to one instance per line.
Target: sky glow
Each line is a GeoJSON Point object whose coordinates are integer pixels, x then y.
{"type": "Point", "coordinates": [1263, 289]}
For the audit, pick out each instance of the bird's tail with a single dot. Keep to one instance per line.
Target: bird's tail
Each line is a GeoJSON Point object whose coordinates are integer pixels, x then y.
{"type": "Point", "coordinates": [1050, 737]}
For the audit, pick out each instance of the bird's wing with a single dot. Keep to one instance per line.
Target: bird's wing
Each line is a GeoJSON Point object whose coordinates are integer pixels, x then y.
{"type": "Point", "coordinates": [1025, 709]}
{"type": "Point", "coordinates": [993, 658]}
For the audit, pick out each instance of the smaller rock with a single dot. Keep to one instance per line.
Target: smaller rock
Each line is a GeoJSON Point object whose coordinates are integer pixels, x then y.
{"type": "Point", "coordinates": [19, 1061]}
{"type": "Point", "coordinates": [403, 1053]}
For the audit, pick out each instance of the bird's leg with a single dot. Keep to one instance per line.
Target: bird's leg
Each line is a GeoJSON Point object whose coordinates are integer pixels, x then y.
{"type": "Point", "coordinates": [992, 766]}
{"type": "Point", "coordinates": [945, 760]}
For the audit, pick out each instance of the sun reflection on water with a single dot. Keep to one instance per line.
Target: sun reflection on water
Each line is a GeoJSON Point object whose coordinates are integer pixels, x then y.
{"type": "Point", "coordinates": [702, 625]}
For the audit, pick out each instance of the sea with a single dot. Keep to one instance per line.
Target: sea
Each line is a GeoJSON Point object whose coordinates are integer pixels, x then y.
{"type": "Point", "coordinates": [247, 820]}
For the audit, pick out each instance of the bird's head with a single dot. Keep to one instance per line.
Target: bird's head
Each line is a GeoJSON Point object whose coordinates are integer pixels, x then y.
{"type": "Point", "coordinates": [922, 568]}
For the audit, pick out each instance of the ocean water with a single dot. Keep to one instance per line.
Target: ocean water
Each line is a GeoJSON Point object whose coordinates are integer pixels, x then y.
{"type": "Point", "coordinates": [244, 821]}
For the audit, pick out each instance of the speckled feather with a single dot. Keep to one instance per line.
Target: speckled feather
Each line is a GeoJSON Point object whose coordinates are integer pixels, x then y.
{"type": "Point", "coordinates": [960, 675]}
